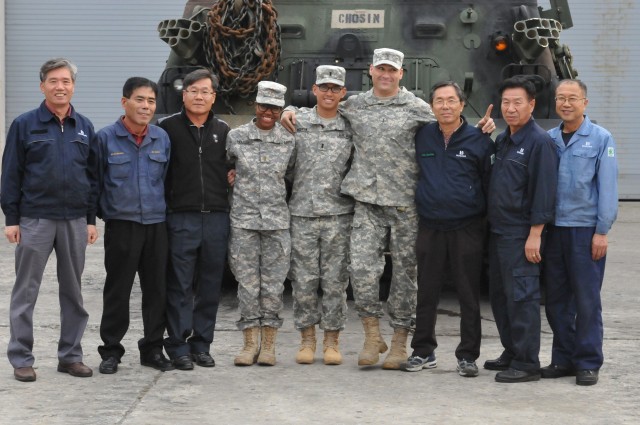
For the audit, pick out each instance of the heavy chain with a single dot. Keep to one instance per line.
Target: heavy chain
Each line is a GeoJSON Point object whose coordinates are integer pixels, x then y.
{"type": "Point", "coordinates": [243, 47]}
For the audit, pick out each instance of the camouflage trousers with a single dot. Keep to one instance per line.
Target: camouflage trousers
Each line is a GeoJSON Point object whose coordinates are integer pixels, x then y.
{"type": "Point", "coordinates": [374, 228]}
{"type": "Point", "coordinates": [259, 259]}
{"type": "Point", "coordinates": [319, 258]}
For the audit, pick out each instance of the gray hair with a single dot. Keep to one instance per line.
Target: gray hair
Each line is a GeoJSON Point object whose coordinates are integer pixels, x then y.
{"type": "Point", "coordinates": [56, 63]}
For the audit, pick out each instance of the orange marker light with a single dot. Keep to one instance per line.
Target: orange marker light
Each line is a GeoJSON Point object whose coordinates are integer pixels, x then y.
{"type": "Point", "coordinates": [500, 44]}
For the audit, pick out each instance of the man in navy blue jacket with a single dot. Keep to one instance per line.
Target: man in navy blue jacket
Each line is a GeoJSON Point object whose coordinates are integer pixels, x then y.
{"type": "Point", "coordinates": [454, 160]}
{"type": "Point", "coordinates": [522, 194]}
{"type": "Point", "coordinates": [48, 198]}
{"type": "Point", "coordinates": [133, 158]}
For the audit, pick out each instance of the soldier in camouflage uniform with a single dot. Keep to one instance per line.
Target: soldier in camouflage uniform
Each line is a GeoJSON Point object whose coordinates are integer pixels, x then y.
{"type": "Point", "coordinates": [260, 245]}
{"type": "Point", "coordinates": [321, 217]}
{"type": "Point", "coordinates": [382, 179]}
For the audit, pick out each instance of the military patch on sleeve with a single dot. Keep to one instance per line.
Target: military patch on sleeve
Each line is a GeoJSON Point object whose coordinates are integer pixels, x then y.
{"type": "Point", "coordinates": [611, 152]}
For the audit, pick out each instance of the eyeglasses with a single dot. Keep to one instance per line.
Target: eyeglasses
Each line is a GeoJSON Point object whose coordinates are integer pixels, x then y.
{"type": "Point", "coordinates": [326, 88]}
{"type": "Point", "coordinates": [571, 100]}
{"type": "Point", "coordinates": [263, 107]}
{"type": "Point", "coordinates": [449, 102]}
{"type": "Point", "coordinates": [204, 92]}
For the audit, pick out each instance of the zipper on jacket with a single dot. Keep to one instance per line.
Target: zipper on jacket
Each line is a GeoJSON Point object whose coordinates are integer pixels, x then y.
{"type": "Point", "coordinates": [200, 162]}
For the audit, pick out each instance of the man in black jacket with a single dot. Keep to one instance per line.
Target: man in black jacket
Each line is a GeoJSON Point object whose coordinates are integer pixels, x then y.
{"type": "Point", "coordinates": [198, 222]}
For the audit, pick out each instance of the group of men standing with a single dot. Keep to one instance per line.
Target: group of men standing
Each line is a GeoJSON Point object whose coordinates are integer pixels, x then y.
{"type": "Point", "coordinates": [381, 170]}
{"type": "Point", "coordinates": [58, 175]}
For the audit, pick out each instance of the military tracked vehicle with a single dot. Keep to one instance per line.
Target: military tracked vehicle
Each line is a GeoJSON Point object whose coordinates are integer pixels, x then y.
{"type": "Point", "coordinates": [477, 44]}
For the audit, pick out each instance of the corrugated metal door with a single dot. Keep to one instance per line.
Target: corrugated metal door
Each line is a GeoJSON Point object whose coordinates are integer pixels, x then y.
{"type": "Point", "coordinates": [108, 40]}
{"type": "Point", "coordinates": [604, 44]}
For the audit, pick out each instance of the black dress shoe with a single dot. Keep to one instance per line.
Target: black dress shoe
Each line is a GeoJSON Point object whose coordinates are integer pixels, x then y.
{"type": "Point", "coordinates": [157, 361]}
{"type": "Point", "coordinates": [501, 363]}
{"type": "Point", "coordinates": [183, 363]}
{"type": "Point", "coordinates": [514, 375]}
{"type": "Point", "coordinates": [203, 359]}
{"type": "Point", "coordinates": [556, 371]}
{"type": "Point", "coordinates": [587, 377]}
{"type": "Point", "coordinates": [109, 365]}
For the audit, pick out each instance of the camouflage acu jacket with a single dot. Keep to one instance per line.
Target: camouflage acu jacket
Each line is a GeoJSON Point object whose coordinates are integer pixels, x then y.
{"type": "Point", "coordinates": [323, 153]}
{"type": "Point", "coordinates": [259, 193]}
{"type": "Point", "coordinates": [384, 169]}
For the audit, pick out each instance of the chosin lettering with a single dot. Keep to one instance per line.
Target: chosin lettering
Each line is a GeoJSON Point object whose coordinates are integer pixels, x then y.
{"type": "Point", "coordinates": [357, 19]}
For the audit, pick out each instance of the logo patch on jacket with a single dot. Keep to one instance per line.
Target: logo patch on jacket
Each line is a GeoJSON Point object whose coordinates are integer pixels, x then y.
{"type": "Point", "coordinates": [611, 152]}
{"type": "Point", "coordinates": [461, 154]}
{"type": "Point", "coordinates": [82, 133]}
{"type": "Point", "coordinates": [520, 151]}
{"type": "Point", "coordinates": [587, 145]}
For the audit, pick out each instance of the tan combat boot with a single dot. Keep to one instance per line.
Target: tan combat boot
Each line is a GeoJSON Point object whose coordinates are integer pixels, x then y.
{"type": "Point", "coordinates": [373, 342]}
{"type": "Point", "coordinates": [398, 352]}
{"type": "Point", "coordinates": [251, 348]}
{"type": "Point", "coordinates": [267, 355]}
{"type": "Point", "coordinates": [307, 345]}
{"type": "Point", "coordinates": [330, 348]}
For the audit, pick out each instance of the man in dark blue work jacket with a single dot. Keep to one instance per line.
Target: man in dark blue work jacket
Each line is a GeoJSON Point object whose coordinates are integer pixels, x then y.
{"type": "Point", "coordinates": [522, 196]}
{"type": "Point", "coordinates": [454, 161]}
{"type": "Point", "coordinates": [48, 199]}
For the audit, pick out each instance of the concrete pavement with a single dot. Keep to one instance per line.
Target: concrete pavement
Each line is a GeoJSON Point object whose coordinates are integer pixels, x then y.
{"type": "Point", "coordinates": [289, 393]}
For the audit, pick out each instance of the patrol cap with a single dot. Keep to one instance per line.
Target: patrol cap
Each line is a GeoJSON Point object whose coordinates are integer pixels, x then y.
{"type": "Point", "coordinates": [388, 56]}
{"type": "Point", "coordinates": [330, 74]}
{"type": "Point", "coordinates": [271, 93]}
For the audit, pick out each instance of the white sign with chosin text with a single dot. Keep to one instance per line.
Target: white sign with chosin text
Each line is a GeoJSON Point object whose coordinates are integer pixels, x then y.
{"type": "Point", "coordinates": [361, 18]}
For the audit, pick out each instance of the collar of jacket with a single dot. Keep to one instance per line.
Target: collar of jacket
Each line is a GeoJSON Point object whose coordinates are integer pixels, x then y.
{"type": "Point", "coordinates": [519, 136]}
{"type": "Point", "coordinates": [403, 97]}
{"type": "Point", "coordinates": [45, 115]}
{"type": "Point", "coordinates": [121, 131]}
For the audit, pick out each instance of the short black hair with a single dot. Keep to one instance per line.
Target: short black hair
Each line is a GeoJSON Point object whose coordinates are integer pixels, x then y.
{"type": "Point", "coordinates": [518, 82]}
{"type": "Point", "coordinates": [134, 83]}
{"type": "Point", "coordinates": [447, 83]}
{"type": "Point", "coordinates": [200, 74]}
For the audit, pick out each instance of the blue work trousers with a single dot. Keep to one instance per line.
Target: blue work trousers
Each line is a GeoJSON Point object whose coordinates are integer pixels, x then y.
{"type": "Point", "coordinates": [574, 310]}
{"type": "Point", "coordinates": [197, 254]}
{"type": "Point", "coordinates": [514, 290]}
